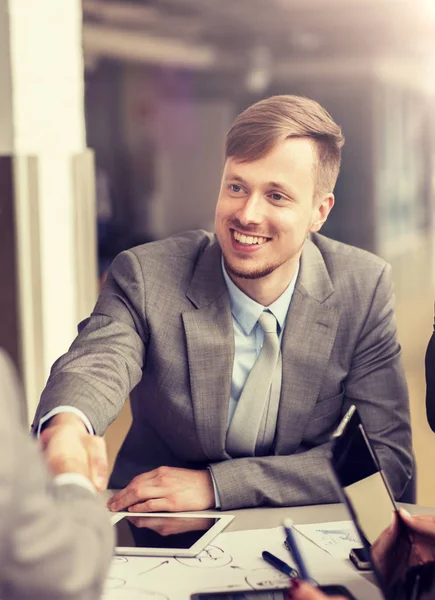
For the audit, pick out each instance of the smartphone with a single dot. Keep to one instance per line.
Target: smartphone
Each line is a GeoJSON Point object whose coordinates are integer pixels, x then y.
{"type": "Point", "coordinates": [359, 558]}
{"type": "Point", "coordinates": [276, 594]}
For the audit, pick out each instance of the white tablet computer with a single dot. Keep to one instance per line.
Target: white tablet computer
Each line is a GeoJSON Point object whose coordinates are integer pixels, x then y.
{"type": "Point", "coordinates": [166, 534]}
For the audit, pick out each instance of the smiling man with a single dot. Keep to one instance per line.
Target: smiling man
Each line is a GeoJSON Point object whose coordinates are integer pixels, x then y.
{"type": "Point", "coordinates": [242, 350]}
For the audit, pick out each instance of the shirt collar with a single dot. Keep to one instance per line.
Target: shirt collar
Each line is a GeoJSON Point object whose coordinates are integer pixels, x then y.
{"type": "Point", "coordinates": [247, 311]}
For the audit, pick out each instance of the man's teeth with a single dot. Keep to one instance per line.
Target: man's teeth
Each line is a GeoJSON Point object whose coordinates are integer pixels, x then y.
{"type": "Point", "coordinates": [248, 239]}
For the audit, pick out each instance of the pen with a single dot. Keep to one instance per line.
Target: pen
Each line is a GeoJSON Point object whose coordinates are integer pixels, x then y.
{"type": "Point", "coordinates": [415, 588]}
{"type": "Point", "coordinates": [279, 564]}
{"type": "Point", "coordinates": [294, 550]}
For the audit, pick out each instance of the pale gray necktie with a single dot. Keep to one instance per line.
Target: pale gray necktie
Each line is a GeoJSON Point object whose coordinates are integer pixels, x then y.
{"type": "Point", "coordinates": [252, 428]}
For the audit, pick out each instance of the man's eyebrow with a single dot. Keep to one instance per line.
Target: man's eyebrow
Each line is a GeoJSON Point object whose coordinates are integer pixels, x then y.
{"type": "Point", "coordinates": [235, 177]}
{"type": "Point", "coordinates": [281, 186]}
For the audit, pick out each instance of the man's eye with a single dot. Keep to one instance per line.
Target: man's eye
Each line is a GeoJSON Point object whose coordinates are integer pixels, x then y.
{"type": "Point", "coordinates": [235, 188]}
{"type": "Point", "coordinates": [277, 196]}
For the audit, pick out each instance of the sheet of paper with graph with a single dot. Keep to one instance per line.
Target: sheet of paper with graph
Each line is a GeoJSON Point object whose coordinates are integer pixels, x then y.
{"type": "Point", "coordinates": [231, 562]}
{"type": "Point", "coordinates": [337, 538]}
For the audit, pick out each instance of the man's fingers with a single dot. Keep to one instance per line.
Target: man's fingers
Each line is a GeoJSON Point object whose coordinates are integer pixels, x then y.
{"type": "Point", "coordinates": [126, 497]}
{"type": "Point", "coordinates": [183, 489]}
{"type": "Point", "coordinates": [133, 494]}
{"type": "Point", "coordinates": [98, 462]}
{"type": "Point", "coordinates": [123, 499]}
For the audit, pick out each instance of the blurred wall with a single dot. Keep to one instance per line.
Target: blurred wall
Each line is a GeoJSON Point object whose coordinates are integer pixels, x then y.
{"type": "Point", "coordinates": [190, 147]}
{"type": "Point", "coordinates": [167, 134]}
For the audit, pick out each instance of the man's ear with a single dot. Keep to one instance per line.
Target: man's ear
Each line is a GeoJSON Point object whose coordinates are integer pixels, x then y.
{"type": "Point", "coordinates": [321, 211]}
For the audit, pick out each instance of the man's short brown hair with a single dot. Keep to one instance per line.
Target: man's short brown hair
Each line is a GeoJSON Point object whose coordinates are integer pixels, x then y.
{"type": "Point", "coordinates": [264, 124]}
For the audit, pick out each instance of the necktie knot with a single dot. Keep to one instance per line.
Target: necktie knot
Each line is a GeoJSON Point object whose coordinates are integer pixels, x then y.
{"type": "Point", "coordinates": [268, 322]}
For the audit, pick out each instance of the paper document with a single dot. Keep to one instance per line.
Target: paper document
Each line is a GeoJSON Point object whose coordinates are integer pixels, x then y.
{"type": "Point", "coordinates": [232, 562]}
{"type": "Point", "coordinates": [337, 539]}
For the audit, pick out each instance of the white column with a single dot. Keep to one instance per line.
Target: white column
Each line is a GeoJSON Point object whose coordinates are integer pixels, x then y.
{"type": "Point", "coordinates": [42, 106]}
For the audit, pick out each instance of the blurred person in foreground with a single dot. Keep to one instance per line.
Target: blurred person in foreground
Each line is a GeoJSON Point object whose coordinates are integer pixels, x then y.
{"type": "Point", "coordinates": [390, 554]}
{"type": "Point", "coordinates": [56, 540]}
{"type": "Point", "coordinates": [430, 380]}
{"type": "Point", "coordinates": [180, 324]}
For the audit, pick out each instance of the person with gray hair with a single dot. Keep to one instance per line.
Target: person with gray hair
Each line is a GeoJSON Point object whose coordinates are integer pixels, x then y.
{"type": "Point", "coordinates": [242, 349]}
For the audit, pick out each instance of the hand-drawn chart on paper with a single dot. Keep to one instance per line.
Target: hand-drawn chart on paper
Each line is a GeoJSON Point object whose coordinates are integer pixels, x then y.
{"type": "Point", "coordinates": [231, 563]}
{"type": "Point", "coordinates": [337, 539]}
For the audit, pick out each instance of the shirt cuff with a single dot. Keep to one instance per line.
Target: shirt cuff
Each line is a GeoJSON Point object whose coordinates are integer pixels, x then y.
{"type": "Point", "coordinates": [65, 409]}
{"type": "Point", "coordinates": [74, 479]}
{"type": "Point", "coordinates": [217, 500]}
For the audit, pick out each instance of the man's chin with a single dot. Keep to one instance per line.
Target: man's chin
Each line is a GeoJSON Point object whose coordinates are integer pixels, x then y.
{"type": "Point", "coordinates": [249, 273]}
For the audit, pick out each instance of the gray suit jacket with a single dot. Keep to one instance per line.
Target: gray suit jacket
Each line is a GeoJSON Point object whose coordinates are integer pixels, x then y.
{"type": "Point", "coordinates": [55, 542]}
{"type": "Point", "coordinates": [162, 325]}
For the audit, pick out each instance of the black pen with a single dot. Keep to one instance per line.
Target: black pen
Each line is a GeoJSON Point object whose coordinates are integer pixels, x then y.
{"type": "Point", "coordinates": [279, 564]}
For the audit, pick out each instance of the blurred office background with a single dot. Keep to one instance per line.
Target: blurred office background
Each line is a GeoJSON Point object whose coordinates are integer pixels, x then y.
{"type": "Point", "coordinates": [162, 81]}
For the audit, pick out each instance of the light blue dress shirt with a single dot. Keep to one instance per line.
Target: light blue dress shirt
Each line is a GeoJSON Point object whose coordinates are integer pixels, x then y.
{"type": "Point", "coordinates": [248, 337]}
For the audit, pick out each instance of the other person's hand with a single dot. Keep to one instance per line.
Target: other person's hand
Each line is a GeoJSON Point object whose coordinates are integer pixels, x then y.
{"type": "Point", "coordinates": [422, 528]}
{"type": "Point", "coordinates": [69, 448]}
{"type": "Point", "coordinates": [166, 489]}
{"type": "Point", "coordinates": [395, 550]}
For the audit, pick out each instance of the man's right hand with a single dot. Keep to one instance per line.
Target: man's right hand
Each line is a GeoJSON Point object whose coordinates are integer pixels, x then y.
{"type": "Point", "coordinates": [69, 448]}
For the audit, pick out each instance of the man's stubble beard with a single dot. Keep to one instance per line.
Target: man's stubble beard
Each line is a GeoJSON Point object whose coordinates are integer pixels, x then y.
{"type": "Point", "coordinates": [260, 272]}
{"type": "Point", "coordinates": [254, 274]}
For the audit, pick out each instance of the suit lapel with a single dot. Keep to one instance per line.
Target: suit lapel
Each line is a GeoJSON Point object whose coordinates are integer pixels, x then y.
{"type": "Point", "coordinates": [308, 338]}
{"type": "Point", "coordinates": [210, 349]}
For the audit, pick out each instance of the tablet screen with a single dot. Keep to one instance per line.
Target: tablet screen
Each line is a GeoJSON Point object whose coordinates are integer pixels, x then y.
{"type": "Point", "coordinates": [371, 504]}
{"type": "Point", "coordinates": [361, 478]}
{"type": "Point", "coordinates": [161, 532]}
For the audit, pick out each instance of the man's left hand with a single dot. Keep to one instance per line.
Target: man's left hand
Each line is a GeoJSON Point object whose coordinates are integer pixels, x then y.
{"type": "Point", "coordinates": [166, 489]}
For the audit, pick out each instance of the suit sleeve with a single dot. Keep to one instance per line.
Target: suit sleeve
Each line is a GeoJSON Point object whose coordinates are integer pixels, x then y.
{"type": "Point", "coordinates": [105, 361]}
{"type": "Point", "coordinates": [56, 542]}
{"type": "Point", "coordinates": [376, 385]}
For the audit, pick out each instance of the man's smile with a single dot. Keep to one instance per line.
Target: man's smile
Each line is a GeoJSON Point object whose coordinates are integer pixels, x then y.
{"type": "Point", "coordinates": [248, 240]}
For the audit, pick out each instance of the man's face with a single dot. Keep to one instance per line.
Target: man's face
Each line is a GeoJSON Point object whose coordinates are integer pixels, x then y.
{"type": "Point", "coordinates": [265, 210]}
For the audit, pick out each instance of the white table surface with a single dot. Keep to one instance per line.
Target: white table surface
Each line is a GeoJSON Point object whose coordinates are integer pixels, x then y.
{"type": "Point", "coordinates": [261, 518]}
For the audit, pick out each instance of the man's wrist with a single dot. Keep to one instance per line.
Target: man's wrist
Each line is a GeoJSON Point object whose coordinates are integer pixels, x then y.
{"type": "Point", "coordinates": [64, 409]}
{"type": "Point", "coordinates": [66, 418]}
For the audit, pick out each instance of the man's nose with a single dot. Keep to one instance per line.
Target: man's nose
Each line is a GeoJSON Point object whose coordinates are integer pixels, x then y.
{"type": "Point", "coordinates": [251, 211]}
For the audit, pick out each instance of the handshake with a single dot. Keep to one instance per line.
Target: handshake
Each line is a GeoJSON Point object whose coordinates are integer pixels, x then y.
{"type": "Point", "coordinates": [69, 448]}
